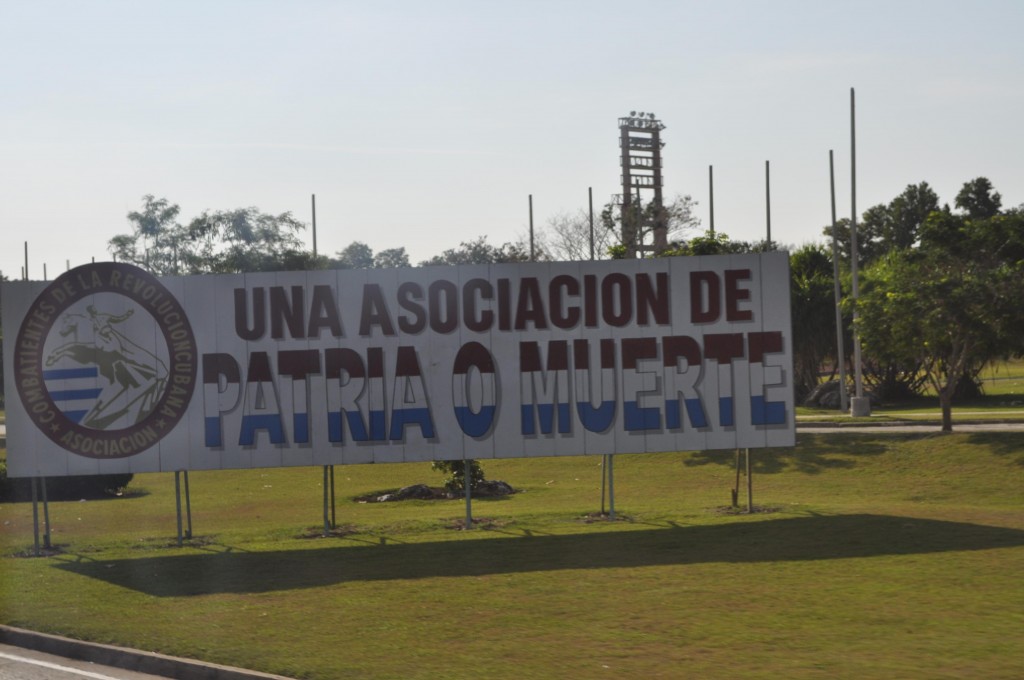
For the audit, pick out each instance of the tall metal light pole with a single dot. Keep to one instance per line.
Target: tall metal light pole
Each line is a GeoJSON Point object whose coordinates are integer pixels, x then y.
{"type": "Point", "coordinates": [844, 398]}
{"type": "Point", "coordinates": [860, 405]}
{"type": "Point", "coordinates": [768, 202]}
{"type": "Point", "coordinates": [711, 196]}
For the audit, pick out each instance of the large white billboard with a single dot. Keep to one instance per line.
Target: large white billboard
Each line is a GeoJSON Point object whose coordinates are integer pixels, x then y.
{"type": "Point", "coordinates": [109, 369]}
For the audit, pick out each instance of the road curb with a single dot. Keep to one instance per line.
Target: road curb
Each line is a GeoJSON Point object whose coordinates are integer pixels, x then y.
{"type": "Point", "coordinates": [128, 659]}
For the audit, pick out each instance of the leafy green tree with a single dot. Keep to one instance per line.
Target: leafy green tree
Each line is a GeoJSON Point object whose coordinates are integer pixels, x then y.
{"type": "Point", "coordinates": [455, 475]}
{"type": "Point", "coordinates": [813, 308]}
{"type": "Point", "coordinates": [480, 252]}
{"type": "Point", "coordinates": [155, 240]}
{"type": "Point", "coordinates": [215, 242]}
{"type": "Point", "coordinates": [906, 215]}
{"type": "Point", "coordinates": [710, 243]}
{"type": "Point", "coordinates": [978, 200]}
{"type": "Point", "coordinates": [356, 255]}
{"type": "Point", "coordinates": [950, 305]}
{"type": "Point", "coordinates": [886, 227]}
{"type": "Point", "coordinates": [243, 240]}
{"type": "Point", "coordinates": [391, 258]}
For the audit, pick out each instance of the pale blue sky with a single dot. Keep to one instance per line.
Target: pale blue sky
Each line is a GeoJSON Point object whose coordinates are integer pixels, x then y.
{"type": "Point", "coordinates": [423, 124]}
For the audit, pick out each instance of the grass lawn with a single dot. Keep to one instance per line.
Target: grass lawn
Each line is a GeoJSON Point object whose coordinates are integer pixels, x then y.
{"type": "Point", "coordinates": [1002, 400]}
{"type": "Point", "coordinates": [877, 556]}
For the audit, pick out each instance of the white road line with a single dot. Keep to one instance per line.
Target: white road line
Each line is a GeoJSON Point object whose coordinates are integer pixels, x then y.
{"type": "Point", "coordinates": [57, 667]}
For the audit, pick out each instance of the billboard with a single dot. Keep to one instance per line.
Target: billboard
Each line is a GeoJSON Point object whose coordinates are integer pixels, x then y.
{"type": "Point", "coordinates": [109, 369]}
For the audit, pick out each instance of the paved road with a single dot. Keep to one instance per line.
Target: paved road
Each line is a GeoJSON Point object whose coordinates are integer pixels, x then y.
{"type": "Point", "coordinates": [18, 663]}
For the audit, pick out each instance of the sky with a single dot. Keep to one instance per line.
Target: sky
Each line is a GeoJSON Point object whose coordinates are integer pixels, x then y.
{"type": "Point", "coordinates": [425, 124]}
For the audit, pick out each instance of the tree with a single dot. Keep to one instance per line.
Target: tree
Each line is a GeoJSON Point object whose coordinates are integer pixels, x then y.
{"type": "Point", "coordinates": [813, 307]}
{"type": "Point", "coordinates": [906, 214]}
{"type": "Point", "coordinates": [951, 304]}
{"type": "Point", "coordinates": [566, 237]}
{"type": "Point", "coordinates": [229, 241]}
{"type": "Point", "coordinates": [677, 215]}
{"type": "Point", "coordinates": [244, 240]}
{"type": "Point", "coordinates": [480, 252]}
{"type": "Point", "coordinates": [154, 242]}
{"type": "Point", "coordinates": [356, 255]}
{"type": "Point", "coordinates": [455, 475]}
{"type": "Point", "coordinates": [886, 227]}
{"type": "Point", "coordinates": [883, 229]}
{"type": "Point", "coordinates": [977, 199]}
{"type": "Point", "coordinates": [391, 258]}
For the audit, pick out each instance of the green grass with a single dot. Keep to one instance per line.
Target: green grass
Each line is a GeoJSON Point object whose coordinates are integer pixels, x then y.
{"type": "Point", "coordinates": [882, 556]}
{"type": "Point", "coordinates": [1002, 401]}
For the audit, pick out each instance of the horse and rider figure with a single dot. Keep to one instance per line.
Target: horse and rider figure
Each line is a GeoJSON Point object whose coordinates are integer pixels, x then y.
{"type": "Point", "coordinates": [135, 377]}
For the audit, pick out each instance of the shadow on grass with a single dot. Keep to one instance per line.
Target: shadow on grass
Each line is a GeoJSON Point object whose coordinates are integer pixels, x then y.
{"type": "Point", "coordinates": [1009, 444]}
{"type": "Point", "coordinates": [813, 453]}
{"type": "Point", "coordinates": [790, 539]}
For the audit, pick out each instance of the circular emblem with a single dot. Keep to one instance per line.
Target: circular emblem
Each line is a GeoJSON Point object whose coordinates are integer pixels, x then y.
{"type": "Point", "coordinates": [105, 361]}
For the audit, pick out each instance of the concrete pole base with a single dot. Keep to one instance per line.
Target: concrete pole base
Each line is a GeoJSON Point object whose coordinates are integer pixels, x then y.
{"type": "Point", "coordinates": [860, 407]}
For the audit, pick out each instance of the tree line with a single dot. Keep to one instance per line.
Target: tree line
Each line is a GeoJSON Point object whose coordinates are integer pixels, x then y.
{"type": "Point", "coordinates": [940, 285]}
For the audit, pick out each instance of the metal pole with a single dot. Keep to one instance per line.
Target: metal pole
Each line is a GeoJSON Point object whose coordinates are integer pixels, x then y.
{"type": "Point", "coordinates": [736, 486]}
{"type": "Point", "coordinates": [334, 522]}
{"type": "Point", "coordinates": [844, 398]}
{"type": "Point", "coordinates": [26, 260]}
{"type": "Point", "coordinates": [768, 200]}
{"type": "Point", "coordinates": [532, 254]}
{"type": "Point", "coordinates": [46, 514]}
{"type": "Point", "coordinates": [314, 227]}
{"type": "Point", "coordinates": [188, 507]}
{"type": "Point", "coordinates": [327, 525]}
{"type": "Point", "coordinates": [750, 486]}
{"type": "Point", "coordinates": [35, 517]}
{"type": "Point", "coordinates": [469, 489]}
{"type": "Point", "coordinates": [604, 477]}
{"type": "Point", "coordinates": [711, 196]}
{"type": "Point", "coordinates": [853, 243]}
{"type": "Point", "coordinates": [44, 272]}
{"type": "Point", "coordinates": [860, 406]}
{"type": "Point", "coordinates": [611, 487]}
{"type": "Point", "coordinates": [177, 501]}
{"type": "Point", "coordinates": [590, 201]}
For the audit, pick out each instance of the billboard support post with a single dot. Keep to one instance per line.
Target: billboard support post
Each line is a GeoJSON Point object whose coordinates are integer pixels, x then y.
{"type": "Point", "coordinates": [46, 514]}
{"type": "Point", "coordinates": [188, 508]}
{"type": "Point", "coordinates": [334, 522]}
{"type": "Point", "coordinates": [177, 503]}
{"type": "Point", "coordinates": [611, 487]}
{"type": "Point", "coordinates": [326, 485]}
{"type": "Point", "coordinates": [35, 517]}
{"type": "Point", "coordinates": [467, 482]}
{"type": "Point", "coordinates": [604, 478]}
{"type": "Point", "coordinates": [736, 485]}
{"type": "Point", "coordinates": [750, 485]}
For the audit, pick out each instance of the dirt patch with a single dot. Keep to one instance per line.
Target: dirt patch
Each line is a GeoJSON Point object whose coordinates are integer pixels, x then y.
{"type": "Point", "coordinates": [340, 531]}
{"type": "Point", "coordinates": [742, 510]}
{"type": "Point", "coordinates": [422, 492]}
{"type": "Point", "coordinates": [592, 517]}
{"type": "Point", "coordinates": [478, 523]}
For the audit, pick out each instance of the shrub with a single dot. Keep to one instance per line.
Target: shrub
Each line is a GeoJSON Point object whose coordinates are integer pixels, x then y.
{"type": "Point", "coordinates": [455, 482]}
{"type": "Point", "coordinates": [63, 488]}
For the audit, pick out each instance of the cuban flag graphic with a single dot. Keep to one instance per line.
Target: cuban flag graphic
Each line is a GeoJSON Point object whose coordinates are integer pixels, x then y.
{"type": "Point", "coordinates": [75, 391]}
